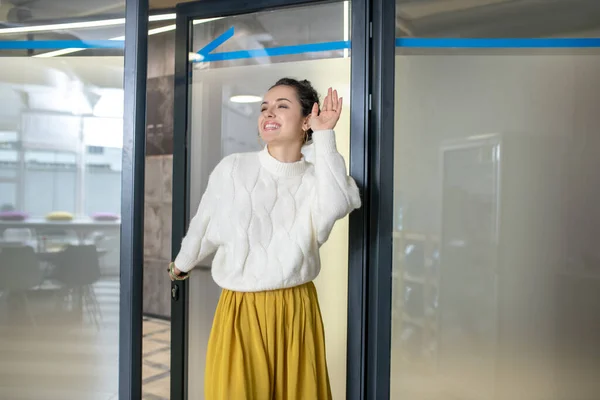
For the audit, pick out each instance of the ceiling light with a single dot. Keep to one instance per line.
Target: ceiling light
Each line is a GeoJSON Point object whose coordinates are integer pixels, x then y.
{"type": "Point", "coordinates": [195, 57]}
{"type": "Point", "coordinates": [110, 104]}
{"type": "Point", "coordinates": [62, 52]}
{"type": "Point", "coordinates": [162, 17]}
{"type": "Point", "coordinates": [483, 136]}
{"type": "Point", "coordinates": [166, 28]}
{"type": "Point", "coordinates": [60, 27]}
{"type": "Point", "coordinates": [150, 32]}
{"type": "Point", "coordinates": [57, 53]}
{"type": "Point", "coordinates": [245, 98]}
{"type": "Point", "coordinates": [81, 25]}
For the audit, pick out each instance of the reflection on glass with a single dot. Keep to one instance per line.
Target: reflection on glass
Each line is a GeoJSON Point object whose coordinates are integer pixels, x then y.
{"type": "Point", "coordinates": [496, 267]}
{"type": "Point", "coordinates": [60, 193]}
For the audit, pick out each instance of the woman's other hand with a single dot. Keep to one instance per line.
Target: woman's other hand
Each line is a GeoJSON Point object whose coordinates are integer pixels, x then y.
{"type": "Point", "coordinates": [176, 271]}
{"type": "Point", "coordinates": [330, 113]}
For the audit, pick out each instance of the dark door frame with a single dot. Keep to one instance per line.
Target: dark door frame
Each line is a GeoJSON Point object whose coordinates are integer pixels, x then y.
{"type": "Point", "coordinates": [132, 200]}
{"type": "Point", "coordinates": [381, 196]}
{"type": "Point", "coordinates": [359, 169]}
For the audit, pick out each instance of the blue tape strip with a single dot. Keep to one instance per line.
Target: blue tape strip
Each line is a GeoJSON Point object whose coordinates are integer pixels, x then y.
{"type": "Point", "coordinates": [406, 43]}
{"type": "Point", "coordinates": [222, 38]}
{"type": "Point", "coordinates": [276, 51]}
{"type": "Point", "coordinates": [498, 43]}
{"type": "Point", "coordinates": [313, 47]}
{"type": "Point", "coordinates": [60, 44]}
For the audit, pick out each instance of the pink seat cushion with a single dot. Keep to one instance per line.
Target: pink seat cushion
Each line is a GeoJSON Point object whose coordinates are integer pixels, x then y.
{"type": "Point", "coordinates": [104, 216]}
{"type": "Point", "coordinates": [13, 216]}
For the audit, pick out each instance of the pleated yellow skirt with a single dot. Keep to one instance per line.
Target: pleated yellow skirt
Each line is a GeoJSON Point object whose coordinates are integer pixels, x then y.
{"type": "Point", "coordinates": [267, 346]}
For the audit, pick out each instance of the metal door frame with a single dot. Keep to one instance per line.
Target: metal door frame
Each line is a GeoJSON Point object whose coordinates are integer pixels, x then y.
{"type": "Point", "coordinates": [359, 156]}
{"type": "Point", "coordinates": [381, 202]}
{"type": "Point", "coordinates": [132, 200]}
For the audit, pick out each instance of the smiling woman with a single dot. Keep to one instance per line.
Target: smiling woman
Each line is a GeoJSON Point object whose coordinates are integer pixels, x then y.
{"type": "Point", "coordinates": [265, 46]}
{"type": "Point", "coordinates": [265, 215]}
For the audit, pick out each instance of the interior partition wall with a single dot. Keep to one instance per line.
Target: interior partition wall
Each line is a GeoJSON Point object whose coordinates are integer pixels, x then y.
{"type": "Point", "coordinates": [472, 259]}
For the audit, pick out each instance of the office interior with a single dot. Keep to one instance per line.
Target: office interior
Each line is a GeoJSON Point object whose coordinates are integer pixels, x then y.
{"type": "Point", "coordinates": [495, 268]}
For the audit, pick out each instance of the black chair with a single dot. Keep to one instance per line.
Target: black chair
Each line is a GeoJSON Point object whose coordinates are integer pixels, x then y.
{"type": "Point", "coordinates": [77, 270]}
{"type": "Point", "coordinates": [20, 272]}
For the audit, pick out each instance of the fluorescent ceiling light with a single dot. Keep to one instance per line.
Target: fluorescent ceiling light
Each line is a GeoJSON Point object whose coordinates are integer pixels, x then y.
{"type": "Point", "coordinates": [244, 98]}
{"type": "Point", "coordinates": [81, 25]}
{"type": "Point", "coordinates": [62, 52]}
{"type": "Point", "coordinates": [162, 17]}
{"type": "Point", "coordinates": [110, 104]}
{"type": "Point", "coordinates": [172, 27]}
{"type": "Point", "coordinates": [483, 136]}
{"type": "Point", "coordinates": [154, 31]}
{"type": "Point", "coordinates": [57, 53]}
{"type": "Point", "coordinates": [60, 27]}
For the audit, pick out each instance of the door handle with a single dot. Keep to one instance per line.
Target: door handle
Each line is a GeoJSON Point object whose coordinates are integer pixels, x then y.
{"type": "Point", "coordinates": [175, 292]}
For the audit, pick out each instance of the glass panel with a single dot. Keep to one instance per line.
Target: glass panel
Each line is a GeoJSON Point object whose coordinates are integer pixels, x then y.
{"type": "Point", "coordinates": [497, 18]}
{"type": "Point", "coordinates": [222, 124]}
{"type": "Point", "coordinates": [496, 274]}
{"type": "Point", "coordinates": [60, 204]}
{"type": "Point", "coordinates": [158, 202]}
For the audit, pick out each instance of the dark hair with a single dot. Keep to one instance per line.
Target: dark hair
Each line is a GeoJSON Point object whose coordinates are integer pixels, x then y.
{"type": "Point", "coordinates": [307, 95]}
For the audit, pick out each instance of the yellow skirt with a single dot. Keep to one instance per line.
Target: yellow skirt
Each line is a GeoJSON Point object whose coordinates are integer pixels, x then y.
{"type": "Point", "coordinates": [267, 346]}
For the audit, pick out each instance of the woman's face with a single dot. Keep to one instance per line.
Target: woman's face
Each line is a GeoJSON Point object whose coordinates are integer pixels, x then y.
{"type": "Point", "coordinates": [281, 120]}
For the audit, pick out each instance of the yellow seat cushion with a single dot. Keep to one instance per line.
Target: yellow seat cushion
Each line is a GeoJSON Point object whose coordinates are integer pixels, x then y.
{"type": "Point", "coordinates": [59, 216]}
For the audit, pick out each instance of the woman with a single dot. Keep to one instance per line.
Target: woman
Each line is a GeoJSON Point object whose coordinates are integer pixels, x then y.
{"type": "Point", "coordinates": [266, 214]}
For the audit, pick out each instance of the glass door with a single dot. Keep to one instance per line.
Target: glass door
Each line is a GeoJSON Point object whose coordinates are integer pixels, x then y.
{"type": "Point", "coordinates": [228, 55]}
{"type": "Point", "coordinates": [496, 265]}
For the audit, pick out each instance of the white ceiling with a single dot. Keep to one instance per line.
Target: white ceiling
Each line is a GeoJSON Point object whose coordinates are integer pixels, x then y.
{"type": "Point", "coordinates": [39, 10]}
{"type": "Point", "coordinates": [414, 17]}
{"type": "Point", "coordinates": [497, 18]}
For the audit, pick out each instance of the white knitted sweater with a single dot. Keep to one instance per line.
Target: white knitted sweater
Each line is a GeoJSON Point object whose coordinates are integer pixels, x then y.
{"type": "Point", "coordinates": [266, 219]}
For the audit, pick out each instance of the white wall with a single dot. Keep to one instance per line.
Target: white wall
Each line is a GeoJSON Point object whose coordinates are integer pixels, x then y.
{"type": "Point", "coordinates": [545, 110]}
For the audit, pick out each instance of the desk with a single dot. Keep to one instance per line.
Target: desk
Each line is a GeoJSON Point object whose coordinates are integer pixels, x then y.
{"type": "Point", "coordinates": [81, 227]}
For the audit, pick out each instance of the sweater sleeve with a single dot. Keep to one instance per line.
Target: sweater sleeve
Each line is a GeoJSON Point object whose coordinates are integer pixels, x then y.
{"type": "Point", "coordinates": [336, 192]}
{"type": "Point", "coordinates": [196, 246]}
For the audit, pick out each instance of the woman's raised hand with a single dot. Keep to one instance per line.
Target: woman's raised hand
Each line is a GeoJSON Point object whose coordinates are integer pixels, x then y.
{"type": "Point", "coordinates": [330, 112]}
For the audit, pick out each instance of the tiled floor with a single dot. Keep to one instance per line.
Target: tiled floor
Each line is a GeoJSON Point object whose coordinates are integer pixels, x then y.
{"type": "Point", "coordinates": [61, 358]}
{"type": "Point", "coordinates": [48, 352]}
{"type": "Point", "coordinates": [156, 360]}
